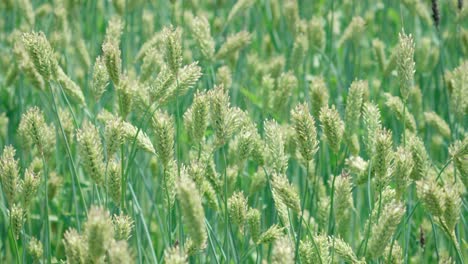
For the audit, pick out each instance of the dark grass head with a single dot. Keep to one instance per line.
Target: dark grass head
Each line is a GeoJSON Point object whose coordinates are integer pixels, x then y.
{"type": "Point", "coordinates": [435, 12]}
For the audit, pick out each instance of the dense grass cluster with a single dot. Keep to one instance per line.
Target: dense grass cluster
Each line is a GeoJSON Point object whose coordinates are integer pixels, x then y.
{"type": "Point", "coordinates": [249, 131]}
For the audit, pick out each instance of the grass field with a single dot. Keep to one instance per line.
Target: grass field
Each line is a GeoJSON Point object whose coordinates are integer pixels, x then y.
{"type": "Point", "coordinates": [221, 131]}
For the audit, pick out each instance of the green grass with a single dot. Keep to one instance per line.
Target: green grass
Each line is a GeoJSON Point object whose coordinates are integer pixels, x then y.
{"type": "Point", "coordinates": [158, 226]}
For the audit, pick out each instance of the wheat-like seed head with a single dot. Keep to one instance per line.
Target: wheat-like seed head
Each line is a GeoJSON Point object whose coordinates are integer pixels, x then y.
{"type": "Point", "coordinates": [192, 210]}
{"type": "Point", "coordinates": [372, 122]}
{"type": "Point", "coordinates": [99, 232]}
{"type": "Point", "coordinates": [35, 132]}
{"type": "Point", "coordinates": [16, 213]}
{"type": "Point", "coordinates": [70, 87]}
{"type": "Point", "coordinates": [403, 167]}
{"type": "Point", "coordinates": [405, 62]}
{"type": "Point", "coordinates": [270, 235]}
{"type": "Point", "coordinates": [233, 44]}
{"type": "Point", "coordinates": [317, 35]}
{"type": "Point", "coordinates": [237, 206]}
{"type": "Point", "coordinates": [319, 95]}
{"type": "Point", "coordinates": [119, 252]}
{"type": "Point", "coordinates": [332, 126]}
{"type": "Point", "coordinates": [437, 122]}
{"type": "Point", "coordinates": [114, 182]}
{"type": "Point", "coordinates": [383, 159]}
{"type": "Point", "coordinates": [276, 158]}
{"type": "Point", "coordinates": [173, 48]}
{"type": "Point", "coordinates": [163, 126]}
{"type": "Point", "coordinates": [382, 232]}
{"type": "Point", "coordinates": [343, 203]}
{"type": "Point", "coordinates": [224, 77]}
{"type": "Point", "coordinates": [253, 219]}
{"type": "Point", "coordinates": [35, 249]}
{"type": "Point", "coordinates": [285, 195]}
{"type": "Point", "coordinates": [41, 53]}
{"type": "Point", "coordinates": [419, 155]}
{"type": "Point", "coordinates": [401, 111]}
{"type": "Point", "coordinates": [353, 31]}
{"type": "Point", "coordinates": [75, 247]}
{"type": "Point", "coordinates": [9, 174]}
{"type": "Point", "coordinates": [283, 251]}
{"type": "Point", "coordinates": [200, 29]}
{"type": "Point", "coordinates": [29, 187]}
{"type": "Point", "coordinates": [345, 251]}
{"type": "Point", "coordinates": [298, 52]}
{"type": "Point", "coordinates": [305, 131]}
{"type": "Point", "coordinates": [91, 151]}
{"type": "Point", "coordinates": [174, 255]}
{"type": "Point", "coordinates": [100, 78]}
{"type": "Point", "coordinates": [112, 60]}
{"type": "Point", "coordinates": [123, 225]}
{"type": "Point", "coordinates": [379, 53]}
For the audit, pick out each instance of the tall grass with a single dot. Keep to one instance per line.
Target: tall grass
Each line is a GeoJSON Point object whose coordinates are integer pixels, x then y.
{"type": "Point", "coordinates": [249, 131]}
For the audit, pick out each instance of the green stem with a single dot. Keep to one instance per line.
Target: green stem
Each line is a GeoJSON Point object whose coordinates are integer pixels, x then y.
{"type": "Point", "coordinates": [46, 208]}
{"type": "Point", "coordinates": [304, 197]}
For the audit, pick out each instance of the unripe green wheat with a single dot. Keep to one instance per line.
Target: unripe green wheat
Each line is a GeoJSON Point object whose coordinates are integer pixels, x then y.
{"type": "Point", "coordinates": [343, 204]}
{"type": "Point", "coordinates": [113, 136]}
{"type": "Point", "coordinates": [237, 206]}
{"type": "Point", "coordinates": [254, 222]}
{"type": "Point", "coordinates": [382, 232]}
{"type": "Point", "coordinates": [100, 78]}
{"type": "Point", "coordinates": [276, 158]}
{"type": "Point", "coordinates": [173, 49]}
{"type": "Point", "coordinates": [99, 232]}
{"type": "Point", "coordinates": [163, 126]}
{"type": "Point", "coordinates": [419, 155]}
{"type": "Point", "coordinates": [372, 119]}
{"type": "Point", "coordinates": [114, 182]}
{"type": "Point", "coordinates": [270, 235]}
{"type": "Point", "coordinates": [383, 159]}
{"type": "Point", "coordinates": [406, 65]}
{"type": "Point", "coordinates": [16, 213]}
{"type": "Point", "coordinates": [119, 253]}
{"type": "Point", "coordinates": [332, 126]}
{"type": "Point", "coordinates": [35, 249]}
{"type": "Point", "coordinates": [29, 187]}
{"type": "Point", "coordinates": [353, 31]}
{"type": "Point", "coordinates": [75, 247]}
{"type": "Point", "coordinates": [192, 210]}
{"type": "Point", "coordinates": [196, 117]}
{"type": "Point", "coordinates": [233, 44]}
{"type": "Point", "coordinates": [200, 28]}
{"type": "Point", "coordinates": [403, 167]}
{"type": "Point", "coordinates": [9, 174]}
{"type": "Point", "coordinates": [70, 87]}
{"type": "Point", "coordinates": [224, 77]}
{"type": "Point", "coordinates": [174, 255]}
{"type": "Point", "coordinates": [317, 35]}
{"type": "Point", "coordinates": [91, 151]}
{"type": "Point", "coordinates": [36, 132]}
{"type": "Point", "coordinates": [306, 133]}
{"type": "Point", "coordinates": [41, 53]}
{"type": "Point", "coordinates": [319, 95]}
{"type": "Point", "coordinates": [283, 251]}
{"type": "Point", "coordinates": [123, 226]}
{"type": "Point", "coordinates": [345, 251]}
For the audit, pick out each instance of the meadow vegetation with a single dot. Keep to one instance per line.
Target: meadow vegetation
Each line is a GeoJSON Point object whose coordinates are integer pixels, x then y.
{"type": "Point", "coordinates": [249, 131]}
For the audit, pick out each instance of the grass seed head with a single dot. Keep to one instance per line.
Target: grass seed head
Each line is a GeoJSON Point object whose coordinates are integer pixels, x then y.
{"type": "Point", "coordinates": [91, 151]}
{"type": "Point", "coordinates": [9, 174]}
{"type": "Point", "coordinates": [99, 232]}
{"type": "Point", "coordinates": [405, 62]}
{"type": "Point", "coordinates": [305, 131]}
{"type": "Point", "coordinates": [332, 126]}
